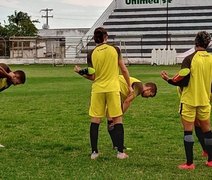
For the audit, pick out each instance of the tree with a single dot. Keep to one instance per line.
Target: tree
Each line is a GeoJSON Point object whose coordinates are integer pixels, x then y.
{"type": "Point", "coordinates": [20, 24]}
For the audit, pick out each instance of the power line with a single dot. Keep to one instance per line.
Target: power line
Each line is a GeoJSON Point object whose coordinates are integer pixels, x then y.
{"type": "Point", "coordinates": [47, 10]}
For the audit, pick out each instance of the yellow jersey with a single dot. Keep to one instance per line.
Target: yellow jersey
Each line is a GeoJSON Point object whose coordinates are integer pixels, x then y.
{"type": "Point", "coordinates": [104, 59]}
{"type": "Point", "coordinates": [124, 87]}
{"type": "Point", "coordinates": [198, 91]}
{"type": "Point", "coordinates": [3, 84]}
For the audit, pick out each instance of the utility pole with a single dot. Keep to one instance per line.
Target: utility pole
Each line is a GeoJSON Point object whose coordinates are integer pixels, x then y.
{"type": "Point", "coordinates": [47, 10]}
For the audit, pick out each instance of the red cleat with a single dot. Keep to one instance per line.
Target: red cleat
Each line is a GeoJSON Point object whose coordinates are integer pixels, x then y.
{"type": "Point", "coordinates": [209, 163]}
{"type": "Point", "coordinates": [185, 166]}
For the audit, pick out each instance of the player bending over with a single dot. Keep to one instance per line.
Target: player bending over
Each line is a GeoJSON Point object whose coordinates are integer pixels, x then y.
{"type": "Point", "coordinates": [8, 78]}
{"type": "Point", "coordinates": [144, 90]}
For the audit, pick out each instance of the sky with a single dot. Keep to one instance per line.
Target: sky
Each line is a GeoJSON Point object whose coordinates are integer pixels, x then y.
{"type": "Point", "coordinates": [66, 13]}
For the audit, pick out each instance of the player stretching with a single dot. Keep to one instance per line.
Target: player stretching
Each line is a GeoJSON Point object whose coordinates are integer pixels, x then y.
{"type": "Point", "coordinates": [144, 90]}
{"type": "Point", "coordinates": [106, 60]}
{"type": "Point", "coordinates": [195, 98]}
{"type": "Point", "coordinates": [8, 78]}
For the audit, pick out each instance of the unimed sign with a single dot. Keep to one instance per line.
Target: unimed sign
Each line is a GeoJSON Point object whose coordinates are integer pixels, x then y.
{"type": "Point", "coordinates": [131, 2]}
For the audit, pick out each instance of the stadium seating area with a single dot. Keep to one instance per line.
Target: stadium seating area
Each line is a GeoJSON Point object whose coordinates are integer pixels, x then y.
{"type": "Point", "coordinates": [138, 31]}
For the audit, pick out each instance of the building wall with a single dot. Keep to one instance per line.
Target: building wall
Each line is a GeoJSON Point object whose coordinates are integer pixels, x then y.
{"type": "Point", "coordinates": [121, 4]}
{"type": "Point", "coordinates": [72, 38]}
{"type": "Point", "coordinates": [63, 32]}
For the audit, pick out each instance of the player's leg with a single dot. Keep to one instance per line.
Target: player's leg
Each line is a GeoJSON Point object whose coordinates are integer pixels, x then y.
{"type": "Point", "coordinates": [119, 135]}
{"type": "Point", "coordinates": [111, 131]}
{"type": "Point", "coordinates": [208, 139]}
{"type": "Point", "coordinates": [200, 135]}
{"type": "Point", "coordinates": [187, 118]}
{"type": "Point", "coordinates": [115, 111]}
{"type": "Point", "coordinates": [96, 111]}
{"type": "Point", "coordinates": [204, 117]}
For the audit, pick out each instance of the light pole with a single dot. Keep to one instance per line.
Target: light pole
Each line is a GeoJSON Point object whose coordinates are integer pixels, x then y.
{"type": "Point", "coordinates": [167, 23]}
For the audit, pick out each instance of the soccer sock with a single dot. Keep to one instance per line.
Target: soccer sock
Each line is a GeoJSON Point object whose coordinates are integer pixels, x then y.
{"type": "Point", "coordinates": [119, 136]}
{"type": "Point", "coordinates": [188, 144]}
{"type": "Point", "coordinates": [94, 131]}
{"type": "Point", "coordinates": [200, 136]}
{"type": "Point", "coordinates": [111, 131]}
{"type": "Point", "coordinates": [208, 144]}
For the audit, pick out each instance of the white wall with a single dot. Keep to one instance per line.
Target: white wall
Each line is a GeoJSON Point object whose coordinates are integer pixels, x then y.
{"type": "Point", "coordinates": [63, 32]}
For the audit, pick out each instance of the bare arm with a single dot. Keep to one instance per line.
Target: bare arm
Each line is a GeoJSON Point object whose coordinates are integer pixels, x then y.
{"type": "Point", "coordinates": [5, 74]}
{"type": "Point", "coordinates": [127, 102]}
{"type": "Point", "coordinates": [125, 73]}
{"type": "Point", "coordinates": [90, 77]}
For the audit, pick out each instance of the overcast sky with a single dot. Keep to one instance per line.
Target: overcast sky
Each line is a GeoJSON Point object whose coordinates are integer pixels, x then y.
{"type": "Point", "coordinates": [66, 13]}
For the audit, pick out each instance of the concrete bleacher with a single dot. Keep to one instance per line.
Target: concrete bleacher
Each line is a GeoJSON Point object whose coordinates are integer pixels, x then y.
{"type": "Point", "coordinates": [139, 30]}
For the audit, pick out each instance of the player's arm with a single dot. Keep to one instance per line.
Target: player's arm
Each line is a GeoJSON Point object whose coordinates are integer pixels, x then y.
{"type": "Point", "coordinates": [128, 102]}
{"type": "Point", "coordinates": [180, 79]}
{"type": "Point", "coordinates": [183, 76]}
{"type": "Point", "coordinates": [5, 72]}
{"type": "Point", "coordinates": [124, 70]}
{"type": "Point", "coordinates": [87, 73]}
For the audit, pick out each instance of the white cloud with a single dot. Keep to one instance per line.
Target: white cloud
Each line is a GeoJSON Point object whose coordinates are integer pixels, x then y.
{"type": "Point", "coordinates": [10, 3]}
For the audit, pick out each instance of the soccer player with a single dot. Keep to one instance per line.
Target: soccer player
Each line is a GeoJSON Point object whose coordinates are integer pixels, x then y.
{"type": "Point", "coordinates": [106, 60]}
{"type": "Point", "coordinates": [195, 98]}
{"type": "Point", "coordinates": [144, 90]}
{"type": "Point", "coordinates": [8, 78]}
{"type": "Point", "coordinates": [198, 130]}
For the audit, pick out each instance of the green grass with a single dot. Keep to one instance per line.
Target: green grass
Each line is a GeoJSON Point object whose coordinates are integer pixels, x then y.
{"type": "Point", "coordinates": [44, 125]}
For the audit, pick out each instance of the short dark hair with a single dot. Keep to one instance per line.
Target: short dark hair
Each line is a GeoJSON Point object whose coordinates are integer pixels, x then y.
{"type": "Point", "coordinates": [99, 35]}
{"type": "Point", "coordinates": [202, 39]}
{"type": "Point", "coordinates": [22, 75]}
{"type": "Point", "coordinates": [153, 87]}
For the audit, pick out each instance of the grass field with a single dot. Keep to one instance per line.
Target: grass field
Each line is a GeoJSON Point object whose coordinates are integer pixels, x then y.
{"type": "Point", "coordinates": [44, 126]}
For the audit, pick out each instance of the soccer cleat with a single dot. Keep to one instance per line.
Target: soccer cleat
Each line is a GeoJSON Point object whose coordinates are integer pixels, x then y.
{"type": "Point", "coordinates": [185, 166]}
{"type": "Point", "coordinates": [209, 163]}
{"type": "Point", "coordinates": [204, 154]}
{"type": "Point", "coordinates": [94, 155]}
{"type": "Point", "coordinates": [1, 146]}
{"type": "Point", "coordinates": [122, 155]}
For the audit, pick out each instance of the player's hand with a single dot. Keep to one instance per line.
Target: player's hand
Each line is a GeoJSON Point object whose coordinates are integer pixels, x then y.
{"type": "Point", "coordinates": [11, 75]}
{"type": "Point", "coordinates": [131, 90]}
{"type": "Point", "coordinates": [77, 69]}
{"type": "Point", "coordinates": [164, 75]}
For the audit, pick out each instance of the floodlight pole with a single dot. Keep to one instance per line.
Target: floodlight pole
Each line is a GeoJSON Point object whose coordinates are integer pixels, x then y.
{"type": "Point", "coordinates": [167, 23]}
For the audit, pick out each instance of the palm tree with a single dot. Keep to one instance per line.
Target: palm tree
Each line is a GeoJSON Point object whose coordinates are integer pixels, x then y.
{"type": "Point", "coordinates": [21, 24]}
